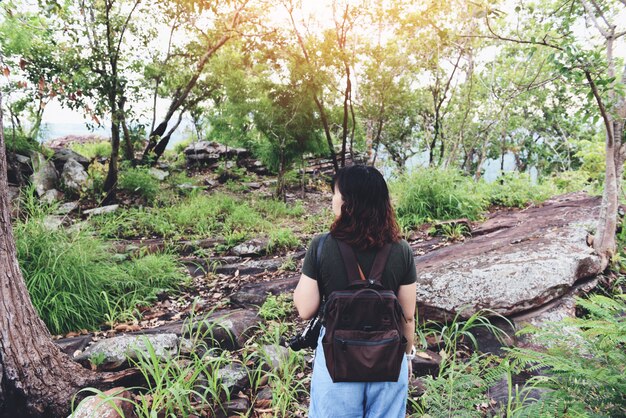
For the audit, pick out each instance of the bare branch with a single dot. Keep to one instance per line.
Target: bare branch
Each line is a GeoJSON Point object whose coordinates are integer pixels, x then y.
{"type": "Point", "coordinates": [600, 13]}
{"type": "Point", "coordinates": [592, 16]}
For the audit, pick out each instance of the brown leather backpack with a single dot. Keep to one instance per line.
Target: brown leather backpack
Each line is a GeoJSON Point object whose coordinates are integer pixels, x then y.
{"type": "Point", "coordinates": [364, 341]}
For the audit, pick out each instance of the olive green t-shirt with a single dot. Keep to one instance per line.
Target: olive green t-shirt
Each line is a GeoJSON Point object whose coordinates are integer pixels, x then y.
{"type": "Point", "coordinates": [399, 270]}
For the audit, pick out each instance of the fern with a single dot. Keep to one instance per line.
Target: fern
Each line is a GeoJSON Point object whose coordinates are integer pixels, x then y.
{"type": "Point", "coordinates": [584, 362]}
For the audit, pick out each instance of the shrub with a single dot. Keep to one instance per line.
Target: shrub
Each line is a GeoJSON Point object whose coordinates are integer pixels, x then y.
{"type": "Point", "coordinates": [517, 190]}
{"type": "Point", "coordinates": [429, 194]}
{"type": "Point", "coordinates": [139, 180]}
{"type": "Point", "coordinates": [93, 150]}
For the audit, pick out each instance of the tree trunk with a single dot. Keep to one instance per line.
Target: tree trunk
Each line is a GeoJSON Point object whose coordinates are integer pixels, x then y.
{"type": "Point", "coordinates": [36, 378]}
{"type": "Point", "coordinates": [111, 181]}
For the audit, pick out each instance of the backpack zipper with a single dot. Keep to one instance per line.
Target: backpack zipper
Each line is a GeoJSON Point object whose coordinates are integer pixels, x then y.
{"type": "Point", "coordinates": [366, 343]}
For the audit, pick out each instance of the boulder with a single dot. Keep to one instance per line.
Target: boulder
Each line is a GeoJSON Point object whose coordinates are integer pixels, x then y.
{"type": "Point", "coordinates": [256, 293]}
{"type": "Point", "coordinates": [74, 176]}
{"type": "Point", "coordinates": [45, 176]}
{"type": "Point", "coordinates": [114, 352]}
{"type": "Point", "coordinates": [63, 155]}
{"type": "Point", "coordinates": [228, 330]}
{"type": "Point", "coordinates": [106, 405]}
{"type": "Point", "coordinates": [516, 261]}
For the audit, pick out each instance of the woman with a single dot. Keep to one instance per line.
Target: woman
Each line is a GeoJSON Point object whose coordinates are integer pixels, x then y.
{"type": "Point", "coordinates": [365, 220]}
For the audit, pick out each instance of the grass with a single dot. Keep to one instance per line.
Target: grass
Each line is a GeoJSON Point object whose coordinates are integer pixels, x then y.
{"type": "Point", "coordinates": [67, 275]}
{"type": "Point", "coordinates": [200, 215]}
{"type": "Point", "coordinates": [431, 194]}
{"type": "Point", "coordinates": [92, 150]}
{"type": "Point", "coordinates": [140, 182]}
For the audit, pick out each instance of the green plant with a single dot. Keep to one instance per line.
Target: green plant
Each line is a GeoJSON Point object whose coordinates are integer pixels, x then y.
{"type": "Point", "coordinates": [92, 150]}
{"type": "Point", "coordinates": [67, 273]}
{"type": "Point", "coordinates": [289, 264]}
{"type": "Point", "coordinates": [583, 361]}
{"type": "Point", "coordinates": [276, 307]}
{"type": "Point", "coordinates": [517, 190]}
{"type": "Point", "coordinates": [97, 359]}
{"type": "Point", "coordinates": [139, 180]}
{"type": "Point", "coordinates": [282, 239]}
{"type": "Point", "coordinates": [429, 194]}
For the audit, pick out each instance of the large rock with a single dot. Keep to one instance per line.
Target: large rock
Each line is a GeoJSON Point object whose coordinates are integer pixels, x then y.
{"type": "Point", "coordinates": [74, 176]}
{"type": "Point", "coordinates": [63, 155]}
{"type": "Point", "coordinates": [516, 261]}
{"type": "Point", "coordinates": [205, 153]}
{"type": "Point", "coordinates": [253, 247]}
{"type": "Point", "coordinates": [112, 353]}
{"type": "Point", "coordinates": [45, 176]}
{"type": "Point", "coordinates": [256, 293]}
{"type": "Point", "coordinates": [229, 330]}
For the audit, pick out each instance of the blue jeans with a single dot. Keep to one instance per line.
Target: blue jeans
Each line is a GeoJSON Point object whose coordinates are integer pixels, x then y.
{"type": "Point", "coordinates": [355, 399]}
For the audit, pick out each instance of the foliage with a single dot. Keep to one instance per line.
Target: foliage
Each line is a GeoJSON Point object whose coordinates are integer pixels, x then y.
{"type": "Point", "coordinates": [583, 364]}
{"type": "Point", "coordinates": [92, 150]}
{"type": "Point", "coordinates": [139, 181]}
{"type": "Point", "coordinates": [429, 194]}
{"type": "Point", "coordinates": [68, 273]}
{"type": "Point", "coordinates": [282, 239]}
{"type": "Point", "coordinates": [276, 307]}
{"type": "Point", "coordinates": [517, 190]}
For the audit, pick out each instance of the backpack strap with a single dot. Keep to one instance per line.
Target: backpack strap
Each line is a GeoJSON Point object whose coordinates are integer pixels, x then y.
{"type": "Point", "coordinates": [318, 263]}
{"type": "Point", "coordinates": [353, 270]}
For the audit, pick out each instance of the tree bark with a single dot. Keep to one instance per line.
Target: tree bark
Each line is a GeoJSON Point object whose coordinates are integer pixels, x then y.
{"type": "Point", "coordinates": [36, 378]}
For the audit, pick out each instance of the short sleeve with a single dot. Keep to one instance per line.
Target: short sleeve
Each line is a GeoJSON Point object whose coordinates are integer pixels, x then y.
{"type": "Point", "coordinates": [309, 265]}
{"type": "Point", "coordinates": [410, 276]}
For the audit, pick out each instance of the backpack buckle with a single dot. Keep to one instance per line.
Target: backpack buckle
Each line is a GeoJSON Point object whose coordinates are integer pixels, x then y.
{"type": "Point", "coordinates": [371, 282]}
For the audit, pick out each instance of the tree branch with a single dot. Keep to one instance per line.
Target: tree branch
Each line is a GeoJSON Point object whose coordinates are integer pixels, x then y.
{"type": "Point", "coordinates": [603, 112]}
{"type": "Point", "coordinates": [592, 16]}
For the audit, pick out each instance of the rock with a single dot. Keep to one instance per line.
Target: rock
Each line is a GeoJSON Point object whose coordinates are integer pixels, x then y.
{"type": "Point", "coordinates": [265, 394]}
{"type": "Point", "coordinates": [273, 356]}
{"type": "Point", "coordinates": [19, 168]}
{"type": "Point", "coordinates": [65, 141]}
{"type": "Point", "coordinates": [234, 377]}
{"type": "Point", "coordinates": [253, 185]}
{"type": "Point", "coordinates": [106, 405]}
{"type": "Point", "coordinates": [515, 261]}
{"type": "Point", "coordinates": [74, 176]}
{"type": "Point", "coordinates": [101, 210]}
{"type": "Point", "coordinates": [256, 293]}
{"type": "Point", "coordinates": [158, 174]}
{"type": "Point", "coordinates": [51, 196]}
{"type": "Point", "coordinates": [228, 330]}
{"type": "Point", "coordinates": [115, 352]}
{"type": "Point", "coordinates": [52, 222]}
{"type": "Point", "coordinates": [63, 155]}
{"type": "Point", "coordinates": [253, 247]}
{"type": "Point", "coordinates": [206, 153]}
{"type": "Point", "coordinates": [237, 406]}
{"type": "Point", "coordinates": [45, 176]}
{"type": "Point", "coordinates": [66, 208]}
{"type": "Point", "coordinates": [426, 362]}
{"type": "Point", "coordinates": [250, 266]}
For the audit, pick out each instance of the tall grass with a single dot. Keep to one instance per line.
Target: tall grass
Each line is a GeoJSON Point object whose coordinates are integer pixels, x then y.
{"type": "Point", "coordinates": [68, 273]}
{"type": "Point", "coordinates": [432, 194]}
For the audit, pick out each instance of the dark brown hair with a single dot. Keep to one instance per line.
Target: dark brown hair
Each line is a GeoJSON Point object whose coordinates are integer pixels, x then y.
{"type": "Point", "coordinates": [367, 219]}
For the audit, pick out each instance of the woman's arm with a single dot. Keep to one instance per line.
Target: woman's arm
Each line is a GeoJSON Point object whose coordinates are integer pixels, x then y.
{"type": "Point", "coordinates": [407, 297]}
{"type": "Point", "coordinates": [306, 297]}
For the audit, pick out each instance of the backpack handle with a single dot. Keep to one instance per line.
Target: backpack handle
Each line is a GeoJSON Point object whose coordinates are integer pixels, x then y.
{"type": "Point", "coordinates": [348, 306]}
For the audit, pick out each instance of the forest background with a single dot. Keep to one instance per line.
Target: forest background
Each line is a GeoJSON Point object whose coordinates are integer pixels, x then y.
{"type": "Point", "coordinates": [450, 85]}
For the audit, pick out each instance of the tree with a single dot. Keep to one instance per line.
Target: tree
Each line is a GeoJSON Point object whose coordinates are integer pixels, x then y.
{"type": "Point", "coordinates": [551, 26]}
{"type": "Point", "coordinates": [184, 87]}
